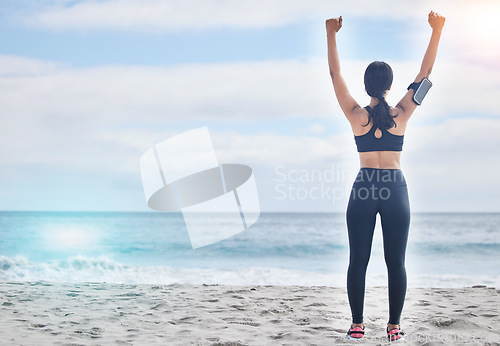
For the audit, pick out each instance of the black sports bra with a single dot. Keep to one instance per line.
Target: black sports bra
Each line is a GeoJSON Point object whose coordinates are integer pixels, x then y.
{"type": "Point", "coordinates": [387, 142]}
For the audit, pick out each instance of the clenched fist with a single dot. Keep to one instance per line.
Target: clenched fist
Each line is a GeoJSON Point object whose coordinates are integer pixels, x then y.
{"type": "Point", "coordinates": [436, 21]}
{"type": "Point", "coordinates": [333, 25]}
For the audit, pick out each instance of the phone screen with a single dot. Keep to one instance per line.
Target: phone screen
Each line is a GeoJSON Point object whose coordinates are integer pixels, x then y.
{"type": "Point", "coordinates": [421, 91]}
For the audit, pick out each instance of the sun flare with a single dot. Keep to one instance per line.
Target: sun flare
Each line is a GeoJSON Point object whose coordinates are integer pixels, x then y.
{"type": "Point", "coordinates": [69, 237]}
{"type": "Point", "coordinates": [73, 237]}
{"type": "Point", "coordinates": [481, 30]}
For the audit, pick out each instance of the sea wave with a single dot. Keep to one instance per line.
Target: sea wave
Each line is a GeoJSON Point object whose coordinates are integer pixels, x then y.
{"type": "Point", "coordinates": [103, 269]}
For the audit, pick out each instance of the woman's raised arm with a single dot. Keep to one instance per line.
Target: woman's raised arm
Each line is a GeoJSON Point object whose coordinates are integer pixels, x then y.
{"type": "Point", "coordinates": [346, 101]}
{"type": "Point", "coordinates": [436, 22]}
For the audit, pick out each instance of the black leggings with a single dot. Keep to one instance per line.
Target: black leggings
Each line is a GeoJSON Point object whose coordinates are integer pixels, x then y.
{"type": "Point", "coordinates": [378, 191]}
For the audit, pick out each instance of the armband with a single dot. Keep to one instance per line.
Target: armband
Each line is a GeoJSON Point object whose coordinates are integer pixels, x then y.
{"type": "Point", "coordinates": [421, 90]}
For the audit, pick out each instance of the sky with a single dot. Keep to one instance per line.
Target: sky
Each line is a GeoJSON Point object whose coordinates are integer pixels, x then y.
{"type": "Point", "coordinates": [88, 86]}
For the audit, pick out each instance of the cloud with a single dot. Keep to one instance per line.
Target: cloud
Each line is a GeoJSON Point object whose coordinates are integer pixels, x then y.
{"type": "Point", "coordinates": [174, 15]}
{"type": "Point", "coordinates": [316, 129]}
{"type": "Point", "coordinates": [61, 121]}
{"type": "Point", "coordinates": [240, 91]}
{"type": "Point", "coordinates": [471, 32]}
{"type": "Point", "coordinates": [171, 15]}
{"type": "Point", "coordinates": [16, 66]}
{"type": "Point", "coordinates": [49, 104]}
{"type": "Point", "coordinates": [454, 165]}
{"type": "Point", "coordinates": [115, 94]}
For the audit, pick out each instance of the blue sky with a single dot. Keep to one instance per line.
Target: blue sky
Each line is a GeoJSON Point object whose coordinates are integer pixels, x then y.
{"type": "Point", "coordinates": [293, 41]}
{"type": "Point", "coordinates": [88, 86]}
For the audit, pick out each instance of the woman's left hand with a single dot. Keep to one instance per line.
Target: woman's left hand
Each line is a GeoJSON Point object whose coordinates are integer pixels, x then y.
{"type": "Point", "coordinates": [333, 25]}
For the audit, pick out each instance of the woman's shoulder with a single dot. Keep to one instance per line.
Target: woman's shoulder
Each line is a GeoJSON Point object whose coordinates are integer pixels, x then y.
{"type": "Point", "coordinates": [358, 120]}
{"type": "Point", "coordinates": [400, 121]}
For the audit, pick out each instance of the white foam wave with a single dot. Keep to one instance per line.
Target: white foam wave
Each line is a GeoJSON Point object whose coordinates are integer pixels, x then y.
{"type": "Point", "coordinates": [103, 269]}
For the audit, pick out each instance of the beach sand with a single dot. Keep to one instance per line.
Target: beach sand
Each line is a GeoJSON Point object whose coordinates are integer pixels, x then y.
{"type": "Point", "coordinates": [45, 313]}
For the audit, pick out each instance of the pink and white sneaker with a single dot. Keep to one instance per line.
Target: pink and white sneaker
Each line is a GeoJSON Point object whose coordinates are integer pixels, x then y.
{"type": "Point", "coordinates": [395, 334]}
{"type": "Point", "coordinates": [356, 333]}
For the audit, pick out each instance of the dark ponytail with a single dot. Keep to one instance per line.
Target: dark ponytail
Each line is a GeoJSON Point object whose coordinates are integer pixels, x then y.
{"type": "Point", "coordinates": [378, 79]}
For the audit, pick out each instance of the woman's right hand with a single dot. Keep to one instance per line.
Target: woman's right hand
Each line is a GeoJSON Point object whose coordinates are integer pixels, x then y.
{"type": "Point", "coordinates": [333, 25]}
{"type": "Point", "coordinates": [436, 21]}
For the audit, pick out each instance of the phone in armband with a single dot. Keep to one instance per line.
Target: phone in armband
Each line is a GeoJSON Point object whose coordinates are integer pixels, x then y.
{"type": "Point", "coordinates": [421, 90]}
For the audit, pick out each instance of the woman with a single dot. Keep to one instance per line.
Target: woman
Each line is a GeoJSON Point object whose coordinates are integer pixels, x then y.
{"type": "Point", "coordinates": [380, 186]}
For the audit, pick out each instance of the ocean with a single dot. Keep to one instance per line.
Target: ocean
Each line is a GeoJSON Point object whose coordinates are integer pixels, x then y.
{"type": "Point", "coordinates": [444, 250]}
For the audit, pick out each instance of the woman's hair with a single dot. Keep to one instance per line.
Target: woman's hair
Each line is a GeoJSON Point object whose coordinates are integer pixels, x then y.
{"type": "Point", "coordinates": [378, 79]}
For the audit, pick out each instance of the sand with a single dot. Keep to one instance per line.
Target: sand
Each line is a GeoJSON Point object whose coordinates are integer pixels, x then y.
{"type": "Point", "coordinates": [45, 313]}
